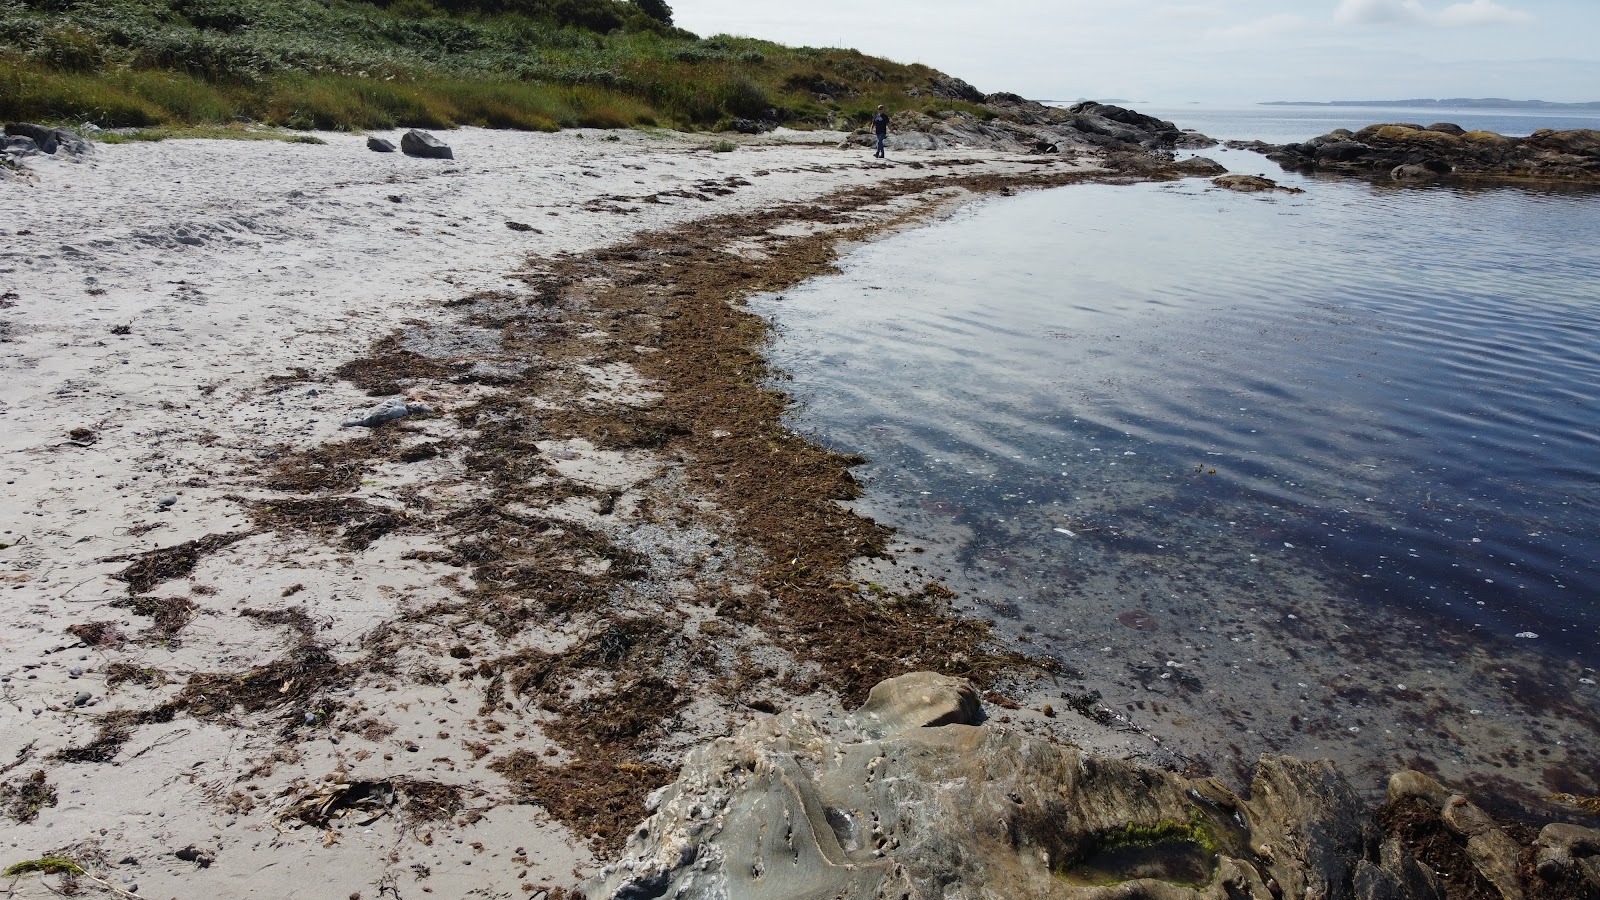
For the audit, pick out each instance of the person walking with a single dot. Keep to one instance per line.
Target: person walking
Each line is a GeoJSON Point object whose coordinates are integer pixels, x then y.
{"type": "Point", "coordinates": [880, 127]}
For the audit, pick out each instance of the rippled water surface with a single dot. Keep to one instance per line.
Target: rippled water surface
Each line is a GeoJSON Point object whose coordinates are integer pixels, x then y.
{"type": "Point", "coordinates": [1313, 473]}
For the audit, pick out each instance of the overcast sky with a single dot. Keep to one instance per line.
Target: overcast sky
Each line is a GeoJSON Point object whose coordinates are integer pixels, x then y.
{"type": "Point", "coordinates": [1217, 51]}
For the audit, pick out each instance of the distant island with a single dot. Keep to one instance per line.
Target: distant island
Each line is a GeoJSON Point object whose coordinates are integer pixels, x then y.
{"type": "Point", "coordinates": [1453, 103]}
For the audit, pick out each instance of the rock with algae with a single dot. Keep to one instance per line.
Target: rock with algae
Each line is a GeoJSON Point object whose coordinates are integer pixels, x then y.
{"type": "Point", "coordinates": [913, 796]}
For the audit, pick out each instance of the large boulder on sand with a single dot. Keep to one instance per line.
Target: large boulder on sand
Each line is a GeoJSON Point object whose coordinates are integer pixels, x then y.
{"type": "Point", "coordinates": [49, 140]}
{"type": "Point", "coordinates": [380, 145]}
{"type": "Point", "coordinates": [423, 144]}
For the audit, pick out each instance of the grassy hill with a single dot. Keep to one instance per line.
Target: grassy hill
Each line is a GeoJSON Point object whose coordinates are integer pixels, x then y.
{"type": "Point", "coordinates": [348, 64]}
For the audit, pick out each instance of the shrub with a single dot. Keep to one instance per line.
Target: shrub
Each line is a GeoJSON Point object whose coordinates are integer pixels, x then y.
{"type": "Point", "coordinates": [742, 96]}
{"type": "Point", "coordinates": [71, 49]}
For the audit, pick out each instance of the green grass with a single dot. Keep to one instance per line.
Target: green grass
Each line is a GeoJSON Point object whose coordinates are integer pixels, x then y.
{"type": "Point", "coordinates": [238, 132]}
{"type": "Point", "coordinates": [348, 64]}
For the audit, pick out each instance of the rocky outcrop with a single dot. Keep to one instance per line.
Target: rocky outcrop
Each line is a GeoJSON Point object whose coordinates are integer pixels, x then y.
{"type": "Point", "coordinates": [1408, 152]}
{"type": "Point", "coordinates": [1015, 123]}
{"type": "Point", "coordinates": [914, 796]}
{"type": "Point", "coordinates": [423, 144]}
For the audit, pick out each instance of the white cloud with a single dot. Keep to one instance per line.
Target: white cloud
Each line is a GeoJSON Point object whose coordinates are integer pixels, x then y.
{"type": "Point", "coordinates": [1412, 12]}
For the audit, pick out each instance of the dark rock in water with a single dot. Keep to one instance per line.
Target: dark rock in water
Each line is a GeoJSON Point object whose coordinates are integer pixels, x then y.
{"type": "Point", "coordinates": [1444, 149]}
{"type": "Point", "coordinates": [49, 140]}
{"type": "Point", "coordinates": [1200, 166]}
{"type": "Point", "coordinates": [1251, 184]}
{"type": "Point", "coordinates": [915, 796]}
{"type": "Point", "coordinates": [380, 145]}
{"type": "Point", "coordinates": [423, 144]}
{"type": "Point", "coordinates": [1411, 172]}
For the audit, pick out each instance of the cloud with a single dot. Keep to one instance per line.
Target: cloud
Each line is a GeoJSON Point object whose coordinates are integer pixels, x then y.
{"type": "Point", "coordinates": [1412, 12]}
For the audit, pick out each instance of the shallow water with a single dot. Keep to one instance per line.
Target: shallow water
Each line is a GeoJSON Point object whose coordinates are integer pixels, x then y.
{"type": "Point", "coordinates": [1299, 473]}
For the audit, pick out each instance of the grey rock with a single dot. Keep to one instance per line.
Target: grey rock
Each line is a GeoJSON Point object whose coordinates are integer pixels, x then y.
{"type": "Point", "coordinates": [168, 501]}
{"type": "Point", "coordinates": [1409, 785]}
{"type": "Point", "coordinates": [909, 797]}
{"type": "Point", "coordinates": [20, 146]}
{"type": "Point", "coordinates": [75, 672]}
{"type": "Point", "coordinates": [381, 145]}
{"type": "Point", "coordinates": [1201, 166]}
{"type": "Point", "coordinates": [1252, 184]}
{"type": "Point", "coordinates": [82, 698]}
{"type": "Point", "coordinates": [387, 411]}
{"type": "Point", "coordinates": [49, 140]}
{"type": "Point", "coordinates": [1493, 853]}
{"type": "Point", "coordinates": [1563, 850]}
{"type": "Point", "coordinates": [423, 144]}
{"type": "Point", "coordinates": [1411, 172]}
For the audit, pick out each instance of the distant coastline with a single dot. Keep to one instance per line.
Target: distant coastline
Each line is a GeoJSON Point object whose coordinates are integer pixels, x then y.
{"type": "Point", "coordinates": [1453, 103]}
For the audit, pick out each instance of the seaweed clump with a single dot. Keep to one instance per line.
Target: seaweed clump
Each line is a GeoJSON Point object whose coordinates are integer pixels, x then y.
{"type": "Point", "coordinates": [22, 800]}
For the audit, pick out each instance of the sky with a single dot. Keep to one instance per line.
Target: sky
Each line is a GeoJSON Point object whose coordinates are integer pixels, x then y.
{"type": "Point", "coordinates": [1207, 51]}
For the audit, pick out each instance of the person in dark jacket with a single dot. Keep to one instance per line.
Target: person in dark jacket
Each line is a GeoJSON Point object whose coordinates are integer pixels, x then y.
{"type": "Point", "coordinates": [880, 127]}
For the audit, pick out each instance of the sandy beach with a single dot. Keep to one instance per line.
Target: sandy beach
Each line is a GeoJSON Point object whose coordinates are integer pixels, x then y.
{"type": "Point", "coordinates": [256, 652]}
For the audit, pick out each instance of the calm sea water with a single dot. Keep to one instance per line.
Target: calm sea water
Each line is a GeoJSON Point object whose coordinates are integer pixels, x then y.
{"type": "Point", "coordinates": [1286, 124]}
{"type": "Point", "coordinates": [1315, 474]}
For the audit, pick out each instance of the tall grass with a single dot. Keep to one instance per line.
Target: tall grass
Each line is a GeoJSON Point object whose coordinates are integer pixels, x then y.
{"type": "Point", "coordinates": [346, 64]}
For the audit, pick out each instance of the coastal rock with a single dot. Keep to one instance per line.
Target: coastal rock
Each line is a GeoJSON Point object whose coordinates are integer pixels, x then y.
{"type": "Point", "coordinates": [1403, 150]}
{"type": "Point", "coordinates": [423, 144]}
{"type": "Point", "coordinates": [1568, 852]}
{"type": "Point", "coordinates": [1252, 184]}
{"type": "Point", "coordinates": [952, 88]}
{"type": "Point", "coordinates": [19, 146]}
{"type": "Point", "coordinates": [380, 145]}
{"type": "Point", "coordinates": [912, 796]}
{"type": "Point", "coordinates": [1200, 166]}
{"type": "Point", "coordinates": [49, 140]}
{"type": "Point", "coordinates": [387, 411]}
{"type": "Point", "coordinates": [1411, 172]}
{"type": "Point", "coordinates": [1493, 853]}
{"type": "Point", "coordinates": [1014, 123]}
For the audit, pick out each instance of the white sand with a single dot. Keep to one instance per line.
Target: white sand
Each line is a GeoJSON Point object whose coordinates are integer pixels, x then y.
{"type": "Point", "coordinates": [232, 262]}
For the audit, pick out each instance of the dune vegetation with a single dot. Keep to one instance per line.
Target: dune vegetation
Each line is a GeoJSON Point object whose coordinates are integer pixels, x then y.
{"type": "Point", "coordinates": [350, 64]}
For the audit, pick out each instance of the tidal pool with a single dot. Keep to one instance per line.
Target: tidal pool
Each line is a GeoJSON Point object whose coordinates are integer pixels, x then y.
{"type": "Point", "coordinates": [1314, 474]}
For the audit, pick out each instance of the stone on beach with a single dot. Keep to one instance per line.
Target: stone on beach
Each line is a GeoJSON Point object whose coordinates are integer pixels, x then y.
{"type": "Point", "coordinates": [49, 140]}
{"type": "Point", "coordinates": [423, 144]}
{"type": "Point", "coordinates": [380, 145]}
{"type": "Point", "coordinates": [387, 411]}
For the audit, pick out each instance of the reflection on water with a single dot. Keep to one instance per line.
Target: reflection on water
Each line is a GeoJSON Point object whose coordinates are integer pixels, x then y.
{"type": "Point", "coordinates": [1310, 474]}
